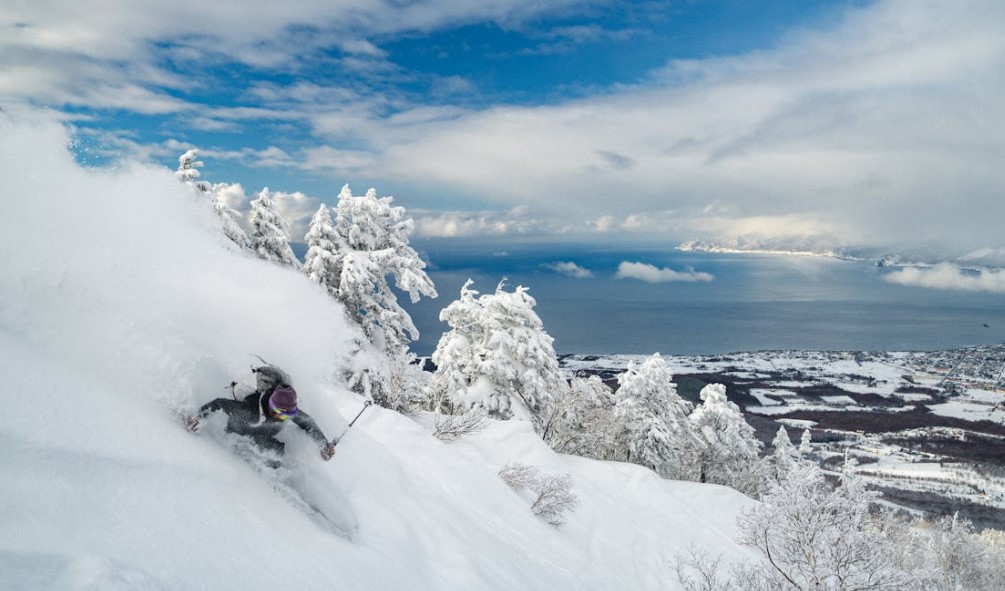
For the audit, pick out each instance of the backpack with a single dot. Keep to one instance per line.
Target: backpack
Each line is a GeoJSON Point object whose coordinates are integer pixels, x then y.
{"type": "Point", "coordinates": [267, 377]}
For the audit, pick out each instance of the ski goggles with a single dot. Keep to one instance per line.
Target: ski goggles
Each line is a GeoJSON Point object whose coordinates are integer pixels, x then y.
{"type": "Point", "coordinates": [282, 414]}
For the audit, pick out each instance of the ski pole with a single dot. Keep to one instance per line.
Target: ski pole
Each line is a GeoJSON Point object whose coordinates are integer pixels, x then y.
{"type": "Point", "coordinates": [366, 405]}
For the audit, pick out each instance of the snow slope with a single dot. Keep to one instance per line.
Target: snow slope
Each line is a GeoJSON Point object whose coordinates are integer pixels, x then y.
{"type": "Point", "coordinates": [121, 304]}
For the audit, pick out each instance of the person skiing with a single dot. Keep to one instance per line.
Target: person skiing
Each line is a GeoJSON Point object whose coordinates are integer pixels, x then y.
{"type": "Point", "coordinates": [261, 415]}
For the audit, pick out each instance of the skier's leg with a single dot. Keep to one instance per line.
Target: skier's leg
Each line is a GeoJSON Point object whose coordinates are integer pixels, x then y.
{"type": "Point", "coordinates": [274, 450]}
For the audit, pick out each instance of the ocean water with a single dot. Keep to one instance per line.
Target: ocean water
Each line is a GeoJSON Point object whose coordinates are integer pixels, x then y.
{"type": "Point", "coordinates": [754, 302]}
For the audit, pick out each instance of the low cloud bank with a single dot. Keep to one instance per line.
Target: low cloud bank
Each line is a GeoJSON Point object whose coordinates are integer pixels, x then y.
{"type": "Point", "coordinates": [569, 269]}
{"type": "Point", "coordinates": [653, 274]}
{"type": "Point", "coordinates": [950, 276]}
{"type": "Point", "coordinates": [517, 221]}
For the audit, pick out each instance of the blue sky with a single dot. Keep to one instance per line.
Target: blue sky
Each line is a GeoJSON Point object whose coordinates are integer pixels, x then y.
{"type": "Point", "coordinates": [848, 123]}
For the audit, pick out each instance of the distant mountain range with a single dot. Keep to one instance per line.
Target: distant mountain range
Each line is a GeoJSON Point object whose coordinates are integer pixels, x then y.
{"type": "Point", "coordinates": [764, 247]}
{"type": "Point", "coordinates": [982, 258]}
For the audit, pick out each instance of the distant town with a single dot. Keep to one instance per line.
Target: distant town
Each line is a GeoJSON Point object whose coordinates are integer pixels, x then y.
{"type": "Point", "coordinates": [977, 367]}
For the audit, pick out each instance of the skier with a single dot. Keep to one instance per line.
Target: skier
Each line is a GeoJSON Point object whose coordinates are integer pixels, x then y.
{"type": "Point", "coordinates": [262, 414]}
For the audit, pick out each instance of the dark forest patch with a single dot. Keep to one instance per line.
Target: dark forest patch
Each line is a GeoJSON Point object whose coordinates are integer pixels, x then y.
{"type": "Point", "coordinates": [885, 422]}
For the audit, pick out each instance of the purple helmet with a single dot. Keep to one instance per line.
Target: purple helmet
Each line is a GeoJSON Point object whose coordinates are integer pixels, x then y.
{"type": "Point", "coordinates": [283, 400]}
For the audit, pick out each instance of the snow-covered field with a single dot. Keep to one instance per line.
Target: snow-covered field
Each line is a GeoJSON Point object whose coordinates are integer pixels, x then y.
{"type": "Point", "coordinates": [974, 405]}
{"type": "Point", "coordinates": [815, 383]}
{"type": "Point", "coordinates": [890, 375]}
{"type": "Point", "coordinates": [121, 304]}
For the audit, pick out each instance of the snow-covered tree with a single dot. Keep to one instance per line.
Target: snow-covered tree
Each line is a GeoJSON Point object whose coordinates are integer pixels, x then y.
{"type": "Point", "coordinates": [656, 432]}
{"type": "Point", "coordinates": [725, 446]}
{"type": "Point", "coordinates": [321, 265]}
{"type": "Point", "coordinates": [784, 456]}
{"type": "Point", "coordinates": [993, 541]}
{"type": "Point", "coordinates": [583, 422]}
{"type": "Point", "coordinates": [371, 242]}
{"type": "Point", "coordinates": [400, 382]}
{"type": "Point", "coordinates": [496, 356]}
{"type": "Point", "coordinates": [947, 555]}
{"type": "Point", "coordinates": [188, 170]}
{"type": "Point", "coordinates": [457, 356]}
{"type": "Point", "coordinates": [518, 357]}
{"type": "Point", "coordinates": [805, 449]}
{"type": "Point", "coordinates": [270, 232]}
{"type": "Point", "coordinates": [815, 537]}
{"type": "Point", "coordinates": [230, 217]}
{"type": "Point", "coordinates": [188, 173]}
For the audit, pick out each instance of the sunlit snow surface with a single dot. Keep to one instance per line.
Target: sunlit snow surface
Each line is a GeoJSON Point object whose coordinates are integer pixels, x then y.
{"type": "Point", "coordinates": [121, 305]}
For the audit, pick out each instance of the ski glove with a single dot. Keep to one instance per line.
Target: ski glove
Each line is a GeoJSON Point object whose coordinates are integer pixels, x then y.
{"type": "Point", "coordinates": [327, 451]}
{"type": "Point", "coordinates": [192, 424]}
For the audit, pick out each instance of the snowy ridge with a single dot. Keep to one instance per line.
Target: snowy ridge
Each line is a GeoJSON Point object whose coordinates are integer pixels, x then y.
{"type": "Point", "coordinates": [122, 304]}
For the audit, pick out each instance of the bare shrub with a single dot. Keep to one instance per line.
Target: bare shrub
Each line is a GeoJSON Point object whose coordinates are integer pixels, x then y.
{"type": "Point", "coordinates": [698, 570]}
{"type": "Point", "coordinates": [519, 476]}
{"type": "Point", "coordinates": [553, 494]}
{"type": "Point", "coordinates": [452, 427]}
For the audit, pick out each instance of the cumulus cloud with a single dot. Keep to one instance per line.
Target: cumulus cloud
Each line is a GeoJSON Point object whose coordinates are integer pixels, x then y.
{"type": "Point", "coordinates": [951, 277]}
{"type": "Point", "coordinates": [270, 157]}
{"type": "Point", "coordinates": [518, 221]}
{"type": "Point", "coordinates": [232, 195]}
{"type": "Point", "coordinates": [884, 123]}
{"type": "Point", "coordinates": [604, 223]}
{"type": "Point", "coordinates": [859, 132]}
{"type": "Point", "coordinates": [344, 163]}
{"type": "Point", "coordinates": [569, 269]}
{"type": "Point", "coordinates": [86, 53]}
{"type": "Point", "coordinates": [653, 274]}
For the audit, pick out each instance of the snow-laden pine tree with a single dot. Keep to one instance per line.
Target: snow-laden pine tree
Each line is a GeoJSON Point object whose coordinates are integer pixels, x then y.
{"type": "Point", "coordinates": [805, 449]}
{"type": "Point", "coordinates": [321, 264]}
{"type": "Point", "coordinates": [518, 355]}
{"type": "Point", "coordinates": [497, 356]}
{"type": "Point", "coordinates": [188, 173]}
{"type": "Point", "coordinates": [371, 242]}
{"type": "Point", "coordinates": [655, 432]}
{"type": "Point", "coordinates": [457, 354]}
{"type": "Point", "coordinates": [584, 422]}
{"type": "Point", "coordinates": [815, 537]}
{"type": "Point", "coordinates": [188, 170]}
{"type": "Point", "coordinates": [230, 217]}
{"type": "Point", "coordinates": [726, 449]}
{"type": "Point", "coordinates": [270, 233]}
{"type": "Point", "coordinates": [783, 458]}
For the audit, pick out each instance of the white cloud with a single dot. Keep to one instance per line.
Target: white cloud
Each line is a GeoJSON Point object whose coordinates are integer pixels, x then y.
{"type": "Point", "coordinates": [458, 224]}
{"type": "Point", "coordinates": [653, 274]}
{"type": "Point", "coordinates": [83, 51]}
{"type": "Point", "coordinates": [270, 157]}
{"type": "Point", "coordinates": [232, 195]}
{"type": "Point", "coordinates": [951, 277]}
{"type": "Point", "coordinates": [339, 163]}
{"type": "Point", "coordinates": [604, 223]}
{"type": "Point", "coordinates": [297, 208]}
{"type": "Point", "coordinates": [884, 128]}
{"type": "Point", "coordinates": [885, 125]}
{"type": "Point", "coordinates": [569, 269]}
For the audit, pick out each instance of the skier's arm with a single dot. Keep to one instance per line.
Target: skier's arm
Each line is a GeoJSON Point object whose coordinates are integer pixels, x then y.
{"type": "Point", "coordinates": [224, 404]}
{"type": "Point", "coordinates": [214, 405]}
{"type": "Point", "coordinates": [305, 422]}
